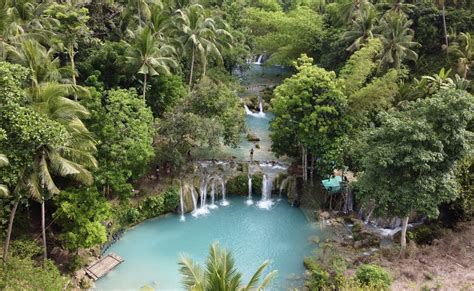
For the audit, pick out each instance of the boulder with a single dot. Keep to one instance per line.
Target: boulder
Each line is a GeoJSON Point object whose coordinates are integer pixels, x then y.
{"type": "Point", "coordinates": [252, 137]}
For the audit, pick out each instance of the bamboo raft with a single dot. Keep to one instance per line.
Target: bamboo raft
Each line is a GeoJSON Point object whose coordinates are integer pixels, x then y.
{"type": "Point", "coordinates": [102, 266]}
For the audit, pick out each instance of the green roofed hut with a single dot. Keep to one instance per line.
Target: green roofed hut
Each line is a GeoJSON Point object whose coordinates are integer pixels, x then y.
{"type": "Point", "coordinates": [333, 185]}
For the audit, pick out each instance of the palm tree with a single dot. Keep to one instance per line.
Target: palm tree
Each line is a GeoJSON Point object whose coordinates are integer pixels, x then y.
{"type": "Point", "coordinates": [439, 81]}
{"type": "Point", "coordinates": [149, 56]}
{"type": "Point", "coordinates": [3, 162]}
{"type": "Point", "coordinates": [463, 49]}
{"type": "Point", "coordinates": [350, 10]}
{"type": "Point", "coordinates": [198, 36]}
{"type": "Point", "coordinates": [220, 273]}
{"type": "Point", "coordinates": [362, 29]}
{"type": "Point", "coordinates": [43, 64]}
{"type": "Point", "coordinates": [397, 39]}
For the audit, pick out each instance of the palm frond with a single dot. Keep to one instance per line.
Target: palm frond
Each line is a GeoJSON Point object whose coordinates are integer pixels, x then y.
{"type": "Point", "coordinates": [193, 275]}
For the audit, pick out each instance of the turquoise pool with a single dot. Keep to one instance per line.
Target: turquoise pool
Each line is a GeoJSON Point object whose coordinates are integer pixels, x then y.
{"type": "Point", "coordinates": [151, 250]}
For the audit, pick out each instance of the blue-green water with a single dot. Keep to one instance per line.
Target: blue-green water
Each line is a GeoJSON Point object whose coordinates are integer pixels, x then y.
{"type": "Point", "coordinates": [152, 249]}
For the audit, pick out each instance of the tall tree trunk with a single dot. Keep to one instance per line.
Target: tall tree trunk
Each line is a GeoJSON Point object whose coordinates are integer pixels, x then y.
{"type": "Point", "coordinates": [73, 64]}
{"type": "Point", "coordinates": [144, 86]}
{"type": "Point", "coordinates": [73, 67]}
{"type": "Point", "coordinates": [445, 29]}
{"type": "Point", "coordinates": [43, 229]}
{"type": "Point", "coordinates": [192, 69]}
{"type": "Point", "coordinates": [403, 238]}
{"type": "Point", "coordinates": [311, 172]}
{"type": "Point", "coordinates": [9, 230]}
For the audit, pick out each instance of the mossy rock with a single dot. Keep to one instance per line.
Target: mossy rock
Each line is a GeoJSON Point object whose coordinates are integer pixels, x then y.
{"type": "Point", "coordinates": [252, 137]}
{"type": "Point", "coordinates": [238, 185]}
{"type": "Point", "coordinates": [257, 146]}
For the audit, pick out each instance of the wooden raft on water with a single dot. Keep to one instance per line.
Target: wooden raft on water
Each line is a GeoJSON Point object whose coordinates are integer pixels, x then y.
{"type": "Point", "coordinates": [102, 266]}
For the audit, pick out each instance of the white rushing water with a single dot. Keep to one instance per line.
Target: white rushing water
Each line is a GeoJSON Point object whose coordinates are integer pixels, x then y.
{"type": "Point", "coordinates": [224, 201]}
{"type": "Point", "coordinates": [260, 106]}
{"type": "Point", "coordinates": [249, 200]}
{"type": "Point", "coordinates": [267, 186]}
{"type": "Point", "coordinates": [259, 114]}
{"type": "Point", "coordinates": [181, 202]}
{"type": "Point", "coordinates": [213, 195]}
{"type": "Point", "coordinates": [259, 60]}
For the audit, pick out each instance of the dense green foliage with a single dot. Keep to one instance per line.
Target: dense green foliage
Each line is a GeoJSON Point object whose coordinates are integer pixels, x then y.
{"type": "Point", "coordinates": [81, 213]}
{"type": "Point", "coordinates": [240, 184]}
{"type": "Point", "coordinates": [125, 126]}
{"type": "Point", "coordinates": [309, 112]}
{"type": "Point", "coordinates": [372, 275]}
{"type": "Point", "coordinates": [415, 151]}
{"type": "Point", "coordinates": [92, 93]}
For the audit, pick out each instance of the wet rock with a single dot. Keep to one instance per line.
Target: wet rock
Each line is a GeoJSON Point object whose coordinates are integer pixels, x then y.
{"type": "Point", "coordinates": [60, 256]}
{"type": "Point", "coordinates": [257, 146]}
{"type": "Point", "coordinates": [252, 137]}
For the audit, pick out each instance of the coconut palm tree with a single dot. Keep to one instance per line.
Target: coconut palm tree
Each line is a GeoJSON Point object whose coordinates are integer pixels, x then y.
{"type": "Point", "coordinates": [362, 29]}
{"type": "Point", "coordinates": [43, 64]}
{"type": "Point", "coordinates": [220, 273]}
{"type": "Point", "coordinates": [350, 10]}
{"type": "Point", "coordinates": [3, 162]}
{"type": "Point", "coordinates": [463, 49]}
{"type": "Point", "coordinates": [149, 56]}
{"type": "Point", "coordinates": [199, 36]}
{"type": "Point", "coordinates": [397, 39]}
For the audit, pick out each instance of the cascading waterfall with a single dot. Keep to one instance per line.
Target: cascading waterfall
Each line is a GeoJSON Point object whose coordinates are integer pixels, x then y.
{"type": "Point", "coordinates": [259, 60]}
{"type": "Point", "coordinates": [259, 114]}
{"type": "Point", "coordinates": [267, 185]}
{"type": "Point", "coordinates": [247, 110]}
{"type": "Point", "coordinates": [260, 105]}
{"type": "Point", "coordinates": [193, 195]}
{"type": "Point", "coordinates": [224, 202]}
{"type": "Point", "coordinates": [203, 191]}
{"type": "Point", "coordinates": [213, 194]}
{"type": "Point", "coordinates": [181, 202]}
{"type": "Point", "coordinates": [249, 199]}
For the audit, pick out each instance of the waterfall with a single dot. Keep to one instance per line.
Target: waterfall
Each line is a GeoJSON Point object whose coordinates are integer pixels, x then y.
{"type": "Point", "coordinates": [193, 195]}
{"type": "Point", "coordinates": [247, 110]}
{"type": "Point", "coordinates": [203, 191]}
{"type": "Point", "coordinates": [181, 202]}
{"type": "Point", "coordinates": [260, 105]}
{"type": "Point", "coordinates": [267, 185]}
{"type": "Point", "coordinates": [260, 114]}
{"type": "Point", "coordinates": [213, 194]}
{"type": "Point", "coordinates": [249, 199]}
{"type": "Point", "coordinates": [259, 60]}
{"type": "Point", "coordinates": [224, 202]}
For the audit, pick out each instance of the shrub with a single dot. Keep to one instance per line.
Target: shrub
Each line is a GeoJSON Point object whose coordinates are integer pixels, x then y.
{"type": "Point", "coordinates": [26, 274]}
{"type": "Point", "coordinates": [152, 206]}
{"type": "Point", "coordinates": [171, 199]}
{"type": "Point", "coordinates": [238, 185]}
{"type": "Point", "coordinates": [425, 234]}
{"type": "Point", "coordinates": [372, 275]}
{"type": "Point", "coordinates": [320, 279]}
{"type": "Point", "coordinates": [25, 249]}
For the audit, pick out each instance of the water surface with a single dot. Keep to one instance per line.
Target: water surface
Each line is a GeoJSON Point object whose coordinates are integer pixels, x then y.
{"type": "Point", "coordinates": [152, 249]}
